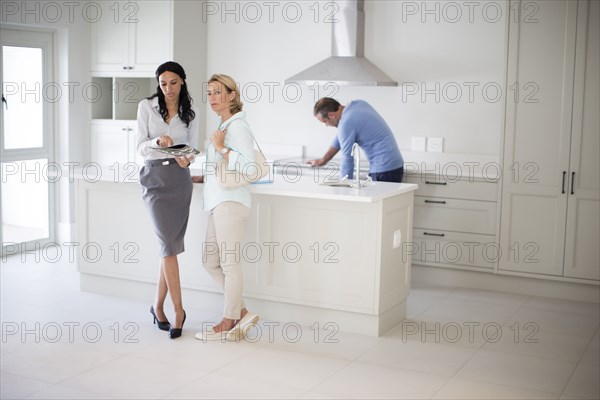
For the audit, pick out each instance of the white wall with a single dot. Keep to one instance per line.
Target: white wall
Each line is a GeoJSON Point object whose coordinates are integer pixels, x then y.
{"type": "Point", "coordinates": [436, 46]}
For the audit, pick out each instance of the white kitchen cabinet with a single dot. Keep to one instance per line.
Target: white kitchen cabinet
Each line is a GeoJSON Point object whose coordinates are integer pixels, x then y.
{"type": "Point", "coordinates": [130, 38]}
{"type": "Point", "coordinates": [114, 142]}
{"type": "Point", "coordinates": [454, 222]}
{"type": "Point", "coordinates": [118, 98]}
{"type": "Point", "coordinates": [582, 252]}
{"type": "Point", "coordinates": [550, 194]}
{"type": "Point", "coordinates": [114, 125]}
{"type": "Point", "coordinates": [127, 45]}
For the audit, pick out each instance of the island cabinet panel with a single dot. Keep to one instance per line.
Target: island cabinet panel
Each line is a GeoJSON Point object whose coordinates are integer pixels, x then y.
{"type": "Point", "coordinates": [315, 252]}
{"type": "Point", "coordinates": [116, 236]}
{"type": "Point", "coordinates": [339, 258]}
{"type": "Point", "coordinates": [394, 253]}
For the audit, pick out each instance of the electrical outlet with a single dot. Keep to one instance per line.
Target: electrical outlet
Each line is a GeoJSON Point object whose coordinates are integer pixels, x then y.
{"type": "Point", "coordinates": [418, 143]}
{"type": "Point", "coordinates": [435, 144]}
{"type": "Point", "coordinates": [397, 239]}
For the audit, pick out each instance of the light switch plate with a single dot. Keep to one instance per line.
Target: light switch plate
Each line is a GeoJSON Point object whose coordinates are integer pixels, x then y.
{"type": "Point", "coordinates": [435, 144]}
{"type": "Point", "coordinates": [418, 143]}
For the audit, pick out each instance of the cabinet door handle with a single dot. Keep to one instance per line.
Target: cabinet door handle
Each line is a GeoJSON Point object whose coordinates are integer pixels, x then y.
{"type": "Point", "coordinates": [572, 182]}
{"type": "Point", "coordinates": [435, 183]}
{"type": "Point", "coordinates": [124, 67]}
{"type": "Point", "coordinates": [436, 201]}
{"type": "Point", "coordinates": [434, 234]}
{"type": "Point", "coordinates": [563, 182]}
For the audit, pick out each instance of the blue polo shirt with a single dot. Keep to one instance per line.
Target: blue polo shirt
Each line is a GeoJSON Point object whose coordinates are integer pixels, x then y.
{"type": "Point", "coordinates": [361, 124]}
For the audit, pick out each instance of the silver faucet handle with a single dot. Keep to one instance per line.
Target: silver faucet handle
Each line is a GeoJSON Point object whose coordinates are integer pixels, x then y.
{"type": "Point", "coordinates": [362, 183]}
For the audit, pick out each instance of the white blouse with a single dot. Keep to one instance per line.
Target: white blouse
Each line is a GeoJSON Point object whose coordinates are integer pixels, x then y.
{"type": "Point", "coordinates": [151, 126]}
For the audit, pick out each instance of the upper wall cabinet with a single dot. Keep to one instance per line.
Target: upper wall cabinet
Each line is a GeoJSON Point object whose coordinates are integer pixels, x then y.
{"type": "Point", "coordinates": [550, 195]}
{"type": "Point", "coordinates": [131, 38]}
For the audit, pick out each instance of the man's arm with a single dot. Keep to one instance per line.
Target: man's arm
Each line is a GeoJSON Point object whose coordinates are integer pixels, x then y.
{"type": "Point", "coordinates": [325, 159]}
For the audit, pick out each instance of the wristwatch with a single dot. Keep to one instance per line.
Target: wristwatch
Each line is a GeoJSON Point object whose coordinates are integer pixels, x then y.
{"type": "Point", "coordinates": [224, 150]}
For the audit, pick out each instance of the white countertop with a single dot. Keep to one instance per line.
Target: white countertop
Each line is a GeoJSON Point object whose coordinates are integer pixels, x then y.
{"type": "Point", "coordinates": [446, 166]}
{"type": "Point", "coordinates": [310, 188]}
{"type": "Point", "coordinates": [293, 184]}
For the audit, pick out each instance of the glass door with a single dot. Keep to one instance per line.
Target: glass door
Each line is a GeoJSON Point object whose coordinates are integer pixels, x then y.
{"type": "Point", "coordinates": [26, 192]}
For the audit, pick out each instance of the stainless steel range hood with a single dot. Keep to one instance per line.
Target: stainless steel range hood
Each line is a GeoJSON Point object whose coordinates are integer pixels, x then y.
{"type": "Point", "coordinates": [347, 65]}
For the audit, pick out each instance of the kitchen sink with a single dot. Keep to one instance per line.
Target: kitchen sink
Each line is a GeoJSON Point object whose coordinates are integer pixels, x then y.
{"type": "Point", "coordinates": [336, 184]}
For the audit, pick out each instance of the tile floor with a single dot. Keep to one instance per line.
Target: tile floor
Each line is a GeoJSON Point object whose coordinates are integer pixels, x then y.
{"type": "Point", "coordinates": [60, 343]}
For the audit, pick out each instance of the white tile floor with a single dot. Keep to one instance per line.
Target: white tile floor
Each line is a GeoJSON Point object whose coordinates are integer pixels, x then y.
{"type": "Point", "coordinates": [60, 343]}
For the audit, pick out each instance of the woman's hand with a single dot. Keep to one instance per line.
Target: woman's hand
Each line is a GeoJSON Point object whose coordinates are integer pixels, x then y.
{"type": "Point", "coordinates": [218, 139]}
{"type": "Point", "coordinates": [198, 178]}
{"type": "Point", "coordinates": [164, 141]}
{"type": "Point", "coordinates": [183, 162]}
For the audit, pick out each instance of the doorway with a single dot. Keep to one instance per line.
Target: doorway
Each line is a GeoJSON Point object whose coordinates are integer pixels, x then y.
{"type": "Point", "coordinates": [26, 140]}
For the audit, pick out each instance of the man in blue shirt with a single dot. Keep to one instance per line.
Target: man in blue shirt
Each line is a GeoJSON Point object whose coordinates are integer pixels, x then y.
{"type": "Point", "coordinates": [358, 122]}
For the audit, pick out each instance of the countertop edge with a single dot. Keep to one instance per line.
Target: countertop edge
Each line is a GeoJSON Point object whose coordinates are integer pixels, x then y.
{"type": "Point", "coordinates": [302, 188]}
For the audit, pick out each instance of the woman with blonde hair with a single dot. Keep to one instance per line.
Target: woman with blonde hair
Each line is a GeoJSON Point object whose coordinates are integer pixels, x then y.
{"type": "Point", "coordinates": [229, 208]}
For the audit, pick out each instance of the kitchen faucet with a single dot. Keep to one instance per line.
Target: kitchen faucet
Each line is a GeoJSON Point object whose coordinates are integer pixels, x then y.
{"type": "Point", "coordinates": [357, 182]}
{"type": "Point", "coordinates": [356, 154]}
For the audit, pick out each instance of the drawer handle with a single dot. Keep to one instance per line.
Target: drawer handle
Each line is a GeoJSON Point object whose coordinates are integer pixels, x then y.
{"type": "Point", "coordinates": [436, 201]}
{"type": "Point", "coordinates": [435, 183]}
{"type": "Point", "coordinates": [434, 234]}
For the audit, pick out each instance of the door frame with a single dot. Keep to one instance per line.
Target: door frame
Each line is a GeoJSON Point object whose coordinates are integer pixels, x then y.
{"type": "Point", "coordinates": [46, 40]}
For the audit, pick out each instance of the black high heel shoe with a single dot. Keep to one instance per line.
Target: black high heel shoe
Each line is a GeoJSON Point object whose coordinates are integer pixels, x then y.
{"type": "Point", "coordinates": [174, 333]}
{"type": "Point", "coordinates": [163, 326]}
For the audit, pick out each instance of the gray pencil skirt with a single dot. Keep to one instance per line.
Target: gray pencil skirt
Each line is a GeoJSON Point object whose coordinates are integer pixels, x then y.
{"type": "Point", "coordinates": [167, 193]}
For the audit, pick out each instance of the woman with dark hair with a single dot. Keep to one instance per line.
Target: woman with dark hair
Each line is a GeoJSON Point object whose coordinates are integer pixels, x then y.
{"type": "Point", "coordinates": [229, 209]}
{"type": "Point", "coordinates": [164, 119]}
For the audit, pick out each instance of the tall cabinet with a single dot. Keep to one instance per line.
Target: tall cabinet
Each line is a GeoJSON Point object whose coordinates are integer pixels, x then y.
{"type": "Point", "coordinates": [128, 42]}
{"type": "Point", "coordinates": [582, 243]}
{"type": "Point", "coordinates": [550, 217]}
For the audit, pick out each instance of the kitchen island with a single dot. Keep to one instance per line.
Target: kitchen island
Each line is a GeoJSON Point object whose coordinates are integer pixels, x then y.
{"type": "Point", "coordinates": [315, 254]}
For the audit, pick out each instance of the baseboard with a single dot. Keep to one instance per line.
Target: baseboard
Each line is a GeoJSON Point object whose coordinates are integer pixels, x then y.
{"type": "Point", "coordinates": [292, 317]}
{"type": "Point", "coordinates": [445, 277]}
